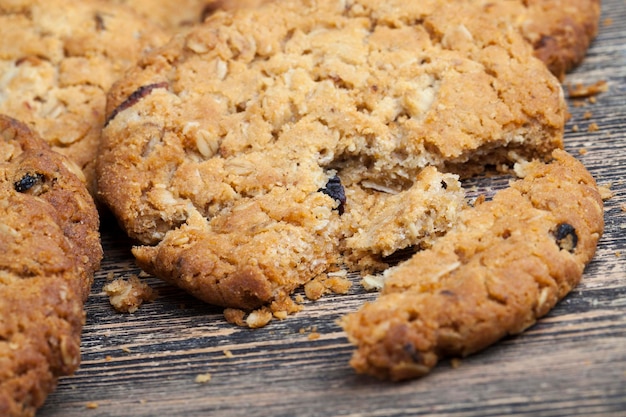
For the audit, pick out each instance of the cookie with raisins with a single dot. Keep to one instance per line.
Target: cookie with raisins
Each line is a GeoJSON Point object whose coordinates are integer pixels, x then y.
{"type": "Point", "coordinates": [257, 150]}
{"type": "Point", "coordinates": [49, 251]}
{"type": "Point", "coordinates": [59, 58]}
{"type": "Point", "coordinates": [505, 264]}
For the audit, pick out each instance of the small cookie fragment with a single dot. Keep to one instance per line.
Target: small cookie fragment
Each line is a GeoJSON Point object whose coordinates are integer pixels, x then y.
{"type": "Point", "coordinates": [585, 91]}
{"type": "Point", "coordinates": [605, 191]}
{"type": "Point", "coordinates": [332, 282]}
{"type": "Point", "coordinates": [203, 378]}
{"type": "Point", "coordinates": [505, 264]}
{"type": "Point", "coordinates": [127, 295]}
{"type": "Point", "coordinates": [49, 251]}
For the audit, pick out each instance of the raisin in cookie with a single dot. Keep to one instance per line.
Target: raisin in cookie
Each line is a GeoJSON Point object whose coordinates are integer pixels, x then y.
{"type": "Point", "coordinates": [506, 263]}
{"type": "Point", "coordinates": [248, 154]}
{"type": "Point", "coordinates": [560, 31]}
{"type": "Point", "coordinates": [58, 58]}
{"type": "Point", "coordinates": [49, 251]}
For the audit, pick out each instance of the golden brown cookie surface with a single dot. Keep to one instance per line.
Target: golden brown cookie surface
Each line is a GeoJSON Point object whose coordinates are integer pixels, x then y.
{"type": "Point", "coordinates": [49, 251]}
{"type": "Point", "coordinates": [560, 31]}
{"type": "Point", "coordinates": [506, 263]}
{"type": "Point", "coordinates": [174, 15]}
{"type": "Point", "coordinates": [58, 58]}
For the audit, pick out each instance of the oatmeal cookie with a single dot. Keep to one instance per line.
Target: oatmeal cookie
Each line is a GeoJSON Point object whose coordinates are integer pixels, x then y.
{"type": "Point", "coordinates": [49, 251]}
{"type": "Point", "coordinates": [245, 155]}
{"type": "Point", "coordinates": [506, 263]}
{"type": "Point", "coordinates": [58, 58]}
{"type": "Point", "coordinates": [560, 31]}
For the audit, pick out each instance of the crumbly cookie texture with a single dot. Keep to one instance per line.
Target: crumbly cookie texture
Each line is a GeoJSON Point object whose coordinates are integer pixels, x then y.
{"type": "Point", "coordinates": [245, 155]}
{"type": "Point", "coordinates": [49, 251]}
{"type": "Point", "coordinates": [174, 15]}
{"type": "Point", "coordinates": [560, 31]}
{"type": "Point", "coordinates": [506, 263]}
{"type": "Point", "coordinates": [58, 59]}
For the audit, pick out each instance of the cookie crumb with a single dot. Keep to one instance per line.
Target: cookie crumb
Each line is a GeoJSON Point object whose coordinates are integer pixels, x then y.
{"type": "Point", "coordinates": [373, 282]}
{"type": "Point", "coordinates": [582, 151]}
{"type": "Point", "coordinates": [605, 191]}
{"type": "Point", "coordinates": [618, 253]}
{"type": "Point", "coordinates": [259, 318]}
{"type": "Point", "coordinates": [125, 349]}
{"type": "Point", "coordinates": [284, 306]}
{"type": "Point", "coordinates": [623, 207]}
{"type": "Point", "coordinates": [314, 336]}
{"type": "Point", "coordinates": [481, 199]}
{"type": "Point", "coordinates": [607, 22]}
{"type": "Point", "coordinates": [585, 91]}
{"type": "Point", "coordinates": [333, 282]}
{"type": "Point", "coordinates": [203, 378]}
{"type": "Point", "coordinates": [235, 316]}
{"type": "Point", "coordinates": [593, 127]}
{"type": "Point", "coordinates": [126, 296]}
{"type": "Point", "coordinates": [228, 353]}
{"type": "Point", "coordinates": [280, 315]}
{"type": "Point", "coordinates": [455, 363]}
{"type": "Point", "coordinates": [92, 405]}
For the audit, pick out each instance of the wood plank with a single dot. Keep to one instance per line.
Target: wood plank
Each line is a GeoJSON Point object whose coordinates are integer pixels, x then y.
{"type": "Point", "coordinates": [572, 363]}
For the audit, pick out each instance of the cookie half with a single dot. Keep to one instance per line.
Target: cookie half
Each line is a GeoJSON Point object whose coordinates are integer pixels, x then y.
{"type": "Point", "coordinates": [49, 251]}
{"type": "Point", "coordinates": [58, 58]}
{"type": "Point", "coordinates": [506, 263]}
{"type": "Point", "coordinates": [245, 155]}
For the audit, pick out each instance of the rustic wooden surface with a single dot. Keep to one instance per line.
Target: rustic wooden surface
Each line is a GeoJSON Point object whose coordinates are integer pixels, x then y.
{"type": "Point", "coordinates": [572, 363]}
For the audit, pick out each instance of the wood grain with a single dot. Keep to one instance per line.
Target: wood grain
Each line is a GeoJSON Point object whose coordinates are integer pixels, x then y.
{"type": "Point", "coordinates": [572, 363]}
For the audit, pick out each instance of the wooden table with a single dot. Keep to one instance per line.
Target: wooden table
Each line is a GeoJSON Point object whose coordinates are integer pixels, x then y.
{"type": "Point", "coordinates": [572, 363]}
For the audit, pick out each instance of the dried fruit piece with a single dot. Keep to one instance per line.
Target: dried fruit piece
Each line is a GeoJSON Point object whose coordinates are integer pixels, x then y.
{"type": "Point", "coordinates": [566, 237]}
{"type": "Point", "coordinates": [28, 181]}
{"type": "Point", "coordinates": [136, 95]}
{"type": "Point", "coordinates": [335, 190]}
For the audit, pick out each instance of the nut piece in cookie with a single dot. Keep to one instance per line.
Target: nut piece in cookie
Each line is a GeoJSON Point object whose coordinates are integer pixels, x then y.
{"type": "Point", "coordinates": [49, 251]}
{"type": "Point", "coordinates": [259, 149]}
{"type": "Point", "coordinates": [59, 58]}
{"type": "Point", "coordinates": [506, 263]}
